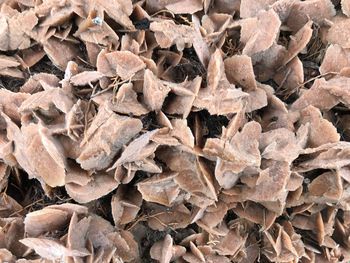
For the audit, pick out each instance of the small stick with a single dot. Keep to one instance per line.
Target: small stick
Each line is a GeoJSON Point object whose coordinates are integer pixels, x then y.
{"type": "Point", "coordinates": [27, 206]}
{"type": "Point", "coordinates": [314, 78]}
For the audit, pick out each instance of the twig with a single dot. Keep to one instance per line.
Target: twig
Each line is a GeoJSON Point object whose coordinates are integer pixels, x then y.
{"type": "Point", "coordinates": [164, 11]}
{"type": "Point", "coordinates": [284, 79]}
{"type": "Point", "coordinates": [314, 78]}
{"type": "Point", "coordinates": [27, 206]}
{"type": "Point", "coordinates": [86, 117]}
{"type": "Point", "coordinates": [101, 92]}
{"type": "Point", "coordinates": [145, 217]}
{"type": "Point", "coordinates": [115, 84]}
